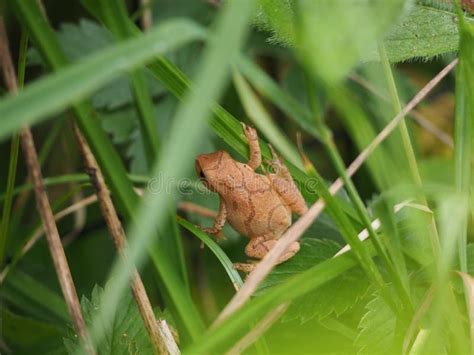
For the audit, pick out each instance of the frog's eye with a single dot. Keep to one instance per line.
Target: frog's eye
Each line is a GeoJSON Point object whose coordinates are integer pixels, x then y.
{"type": "Point", "coordinates": [199, 171]}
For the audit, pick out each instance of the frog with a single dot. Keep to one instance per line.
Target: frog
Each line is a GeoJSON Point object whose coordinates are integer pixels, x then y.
{"type": "Point", "coordinates": [258, 206]}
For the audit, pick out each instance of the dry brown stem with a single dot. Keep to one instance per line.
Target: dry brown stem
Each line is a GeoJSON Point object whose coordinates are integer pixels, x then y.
{"type": "Point", "coordinates": [44, 208]}
{"type": "Point", "coordinates": [159, 332]}
{"type": "Point", "coordinates": [301, 225]}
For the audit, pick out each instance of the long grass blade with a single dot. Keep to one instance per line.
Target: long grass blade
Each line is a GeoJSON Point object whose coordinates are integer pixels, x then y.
{"type": "Point", "coordinates": [63, 88]}
{"type": "Point", "coordinates": [262, 120]}
{"type": "Point", "coordinates": [116, 19]}
{"type": "Point", "coordinates": [217, 251]}
{"type": "Point", "coordinates": [187, 127]}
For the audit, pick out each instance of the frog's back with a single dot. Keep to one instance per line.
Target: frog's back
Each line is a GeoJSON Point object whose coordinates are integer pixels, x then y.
{"type": "Point", "coordinates": [254, 208]}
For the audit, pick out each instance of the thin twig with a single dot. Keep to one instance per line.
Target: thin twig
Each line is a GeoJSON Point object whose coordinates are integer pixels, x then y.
{"type": "Point", "coordinates": [197, 209]}
{"type": "Point", "coordinates": [159, 332]}
{"type": "Point", "coordinates": [44, 208]}
{"type": "Point", "coordinates": [258, 330]}
{"type": "Point", "coordinates": [146, 20]}
{"type": "Point", "coordinates": [39, 232]}
{"type": "Point", "coordinates": [301, 225]}
{"type": "Point", "coordinates": [414, 114]}
{"type": "Point", "coordinates": [364, 234]}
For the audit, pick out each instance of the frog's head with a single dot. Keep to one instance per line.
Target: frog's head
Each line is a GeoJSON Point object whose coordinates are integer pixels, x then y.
{"type": "Point", "coordinates": [211, 169]}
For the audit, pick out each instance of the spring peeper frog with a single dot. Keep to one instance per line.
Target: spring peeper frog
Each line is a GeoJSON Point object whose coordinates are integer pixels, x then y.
{"type": "Point", "coordinates": [257, 206]}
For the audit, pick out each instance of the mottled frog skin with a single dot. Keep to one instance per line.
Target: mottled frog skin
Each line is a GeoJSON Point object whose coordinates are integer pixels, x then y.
{"type": "Point", "coordinates": [257, 206]}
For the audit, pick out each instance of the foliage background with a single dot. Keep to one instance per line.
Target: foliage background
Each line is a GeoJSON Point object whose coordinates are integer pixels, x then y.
{"type": "Point", "coordinates": [288, 68]}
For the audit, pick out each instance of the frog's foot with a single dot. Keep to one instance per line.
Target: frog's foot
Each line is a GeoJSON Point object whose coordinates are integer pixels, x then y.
{"type": "Point", "coordinates": [216, 233]}
{"type": "Point", "coordinates": [246, 267]}
{"type": "Point", "coordinates": [255, 158]}
{"type": "Point", "coordinates": [259, 247]}
{"type": "Point", "coordinates": [276, 163]}
{"type": "Point", "coordinates": [250, 132]}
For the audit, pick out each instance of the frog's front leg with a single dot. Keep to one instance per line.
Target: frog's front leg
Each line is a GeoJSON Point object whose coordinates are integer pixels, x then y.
{"type": "Point", "coordinates": [259, 247]}
{"type": "Point", "coordinates": [255, 158]}
{"type": "Point", "coordinates": [283, 182]}
{"type": "Point", "coordinates": [219, 221]}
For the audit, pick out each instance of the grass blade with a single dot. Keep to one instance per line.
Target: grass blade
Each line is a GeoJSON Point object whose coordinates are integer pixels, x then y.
{"type": "Point", "coordinates": [216, 250]}
{"type": "Point", "coordinates": [14, 149]}
{"type": "Point", "coordinates": [222, 337]}
{"type": "Point", "coordinates": [262, 120]}
{"type": "Point", "coordinates": [271, 91]}
{"type": "Point", "coordinates": [464, 125]}
{"type": "Point", "coordinates": [67, 86]}
{"type": "Point", "coordinates": [108, 158]}
{"type": "Point", "coordinates": [116, 19]}
{"type": "Point", "coordinates": [187, 127]}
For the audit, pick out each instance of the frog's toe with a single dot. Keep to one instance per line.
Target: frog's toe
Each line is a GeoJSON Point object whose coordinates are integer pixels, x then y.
{"type": "Point", "coordinates": [292, 250]}
{"type": "Point", "coordinates": [250, 132]}
{"type": "Point", "coordinates": [245, 267]}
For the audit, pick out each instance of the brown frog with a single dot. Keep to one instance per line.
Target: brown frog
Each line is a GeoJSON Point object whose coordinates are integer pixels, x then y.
{"type": "Point", "coordinates": [257, 206]}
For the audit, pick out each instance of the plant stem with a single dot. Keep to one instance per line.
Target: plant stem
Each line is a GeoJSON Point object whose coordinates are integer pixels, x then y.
{"type": "Point", "coordinates": [44, 208]}
{"type": "Point", "coordinates": [336, 159]}
{"type": "Point", "coordinates": [408, 148]}
{"type": "Point", "coordinates": [14, 149]}
{"type": "Point", "coordinates": [159, 332]}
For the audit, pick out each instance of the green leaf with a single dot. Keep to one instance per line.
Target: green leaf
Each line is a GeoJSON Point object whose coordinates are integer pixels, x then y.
{"type": "Point", "coordinates": [312, 252]}
{"type": "Point", "coordinates": [377, 328]}
{"type": "Point", "coordinates": [323, 30]}
{"type": "Point", "coordinates": [124, 333]}
{"type": "Point", "coordinates": [26, 335]}
{"type": "Point", "coordinates": [176, 157]}
{"type": "Point", "coordinates": [277, 17]}
{"type": "Point", "coordinates": [86, 37]}
{"type": "Point", "coordinates": [220, 338]}
{"type": "Point", "coordinates": [116, 17]}
{"type": "Point", "coordinates": [426, 30]}
{"type": "Point", "coordinates": [424, 33]}
{"type": "Point", "coordinates": [334, 297]}
{"type": "Point", "coordinates": [25, 292]}
{"type": "Point", "coordinates": [61, 89]}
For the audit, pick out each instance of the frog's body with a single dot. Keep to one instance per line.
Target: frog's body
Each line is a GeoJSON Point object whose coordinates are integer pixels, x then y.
{"type": "Point", "coordinates": [257, 206]}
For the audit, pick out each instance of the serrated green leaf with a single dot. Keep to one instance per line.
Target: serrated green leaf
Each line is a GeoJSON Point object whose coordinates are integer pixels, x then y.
{"type": "Point", "coordinates": [424, 33]}
{"type": "Point", "coordinates": [334, 35]}
{"type": "Point", "coordinates": [87, 37]}
{"type": "Point", "coordinates": [124, 333]}
{"type": "Point", "coordinates": [334, 297]}
{"type": "Point", "coordinates": [324, 30]}
{"type": "Point", "coordinates": [377, 329]}
{"type": "Point", "coordinates": [428, 29]}
{"type": "Point", "coordinates": [312, 252]}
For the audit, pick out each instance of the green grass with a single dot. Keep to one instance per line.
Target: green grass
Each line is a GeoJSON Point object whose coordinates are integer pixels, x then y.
{"type": "Point", "coordinates": [182, 88]}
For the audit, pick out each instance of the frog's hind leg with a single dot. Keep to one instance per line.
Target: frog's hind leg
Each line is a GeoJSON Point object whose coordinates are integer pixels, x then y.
{"type": "Point", "coordinates": [285, 185]}
{"type": "Point", "coordinates": [255, 158]}
{"type": "Point", "coordinates": [259, 247]}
